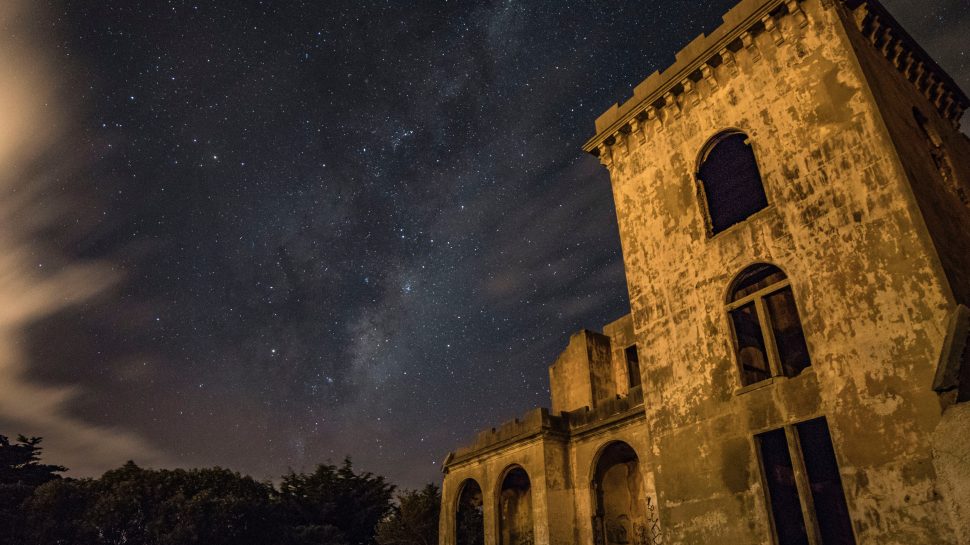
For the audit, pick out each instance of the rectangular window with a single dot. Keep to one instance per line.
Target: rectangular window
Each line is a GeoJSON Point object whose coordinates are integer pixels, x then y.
{"type": "Point", "coordinates": [786, 508]}
{"type": "Point", "coordinates": [802, 483]}
{"type": "Point", "coordinates": [750, 344]}
{"type": "Point", "coordinates": [831, 511]}
{"type": "Point", "coordinates": [632, 365]}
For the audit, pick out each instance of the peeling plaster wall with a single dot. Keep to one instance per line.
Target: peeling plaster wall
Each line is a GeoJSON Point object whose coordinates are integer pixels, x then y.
{"type": "Point", "coordinates": [846, 229]}
{"type": "Point", "coordinates": [951, 451]}
{"type": "Point", "coordinates": [947, 219]}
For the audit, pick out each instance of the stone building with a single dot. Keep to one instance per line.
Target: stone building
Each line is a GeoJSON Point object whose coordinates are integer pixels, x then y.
{"type": "Point", "coordinates": [793, 199]}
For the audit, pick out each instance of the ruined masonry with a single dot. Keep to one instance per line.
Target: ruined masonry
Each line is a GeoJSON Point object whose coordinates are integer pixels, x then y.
{"type": "Point", "coordinates": [793, 199]}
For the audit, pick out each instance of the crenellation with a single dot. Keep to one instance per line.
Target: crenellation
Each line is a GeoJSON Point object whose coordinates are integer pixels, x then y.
{"type": "Point", "coordinates": [795, 241]}
{"type": "Point", "coordinates": [895, 44]}
{"type": "Point", "coordinates": [721, 47]}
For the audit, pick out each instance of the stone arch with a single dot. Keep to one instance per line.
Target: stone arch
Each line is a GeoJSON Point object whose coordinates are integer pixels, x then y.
{"type": "Point", "coordinates": [469, 514]}
{"type": "Point", "coordinates": [729, 180]}
{"type": "Point", "coordinates": [620, 509]}
{"type": "Point", "coordinates": [516, 523]}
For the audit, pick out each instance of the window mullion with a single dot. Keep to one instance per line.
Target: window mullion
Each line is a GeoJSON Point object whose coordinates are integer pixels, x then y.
{"type": "Point", "coordinates": [803, 485]}
{"type": "Point", "coordinates": [768, 333]}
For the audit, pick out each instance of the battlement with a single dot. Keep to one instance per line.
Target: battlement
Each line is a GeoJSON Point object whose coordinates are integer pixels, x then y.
{"type": "Point", "coordinates": [533, 423]}
{"type": "Point", "coordinates": [714, 56]}
{"type": "Point", "coordinates": [539, 422]}
{"type": "Point", "coordinates": [915, 64]}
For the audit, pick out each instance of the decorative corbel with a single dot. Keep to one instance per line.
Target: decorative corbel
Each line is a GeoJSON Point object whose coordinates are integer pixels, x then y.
{"type": "Point", "coordinates": [606, 156]}
{"type": "Point", "coordinates": [875, 26]}
{"type": "Point", "coordinates": [772, 29]}
{"type": "Point", "coordinates": [708, 73]}
{"type": "Point", "coordinates": [690, 91]}
{"type": "Point", "coordinates": [670, 101]}
{"type": "Point", "coordinates": [654, 116]}
{"type": "Point", "coordinates": [899, 56]}
{"type": "Point", "coordinates": [636, 128]}
{"type": "Point", "coordinates": [796, 11]}
{"type": "Point", "coordinates": [747, 39]}
{"type": "Point", "coordinates": [728, 60]}
{"type": "Point", "coordinates": [887, 41]}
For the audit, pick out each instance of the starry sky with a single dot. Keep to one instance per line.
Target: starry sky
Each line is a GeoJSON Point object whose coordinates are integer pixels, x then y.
{"type": "Point", "coordinates": [268, 234]}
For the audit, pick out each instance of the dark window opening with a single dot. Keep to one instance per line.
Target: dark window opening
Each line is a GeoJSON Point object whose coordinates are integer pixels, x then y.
{"type": "Point", "coordinates": [787, 328]}
{"type": "Point", "coordinates": [731, 181]}
{"type": "Point", "coordinates": [469, 518]}
{"type": "Point", "coordinates": [831, 511]}
{"type": "Point", "coordinates": [804, 487]}
{"type": "Point", "coordinates": [632, 365]}
{"type": "Point", "coordinates": [621, 515]}
{"type": "Point", "coordinates": [750, 344]}
{"type": "Point", "coordinates": [768, 336]}
{"type": "Point", "coordinates": [515, 509]}
{"type": "Point", "coordinates": [779, 471]}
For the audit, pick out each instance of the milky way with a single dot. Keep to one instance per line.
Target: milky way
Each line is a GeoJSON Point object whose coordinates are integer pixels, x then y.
{"type": "Point", "coordinates": [318, 229]}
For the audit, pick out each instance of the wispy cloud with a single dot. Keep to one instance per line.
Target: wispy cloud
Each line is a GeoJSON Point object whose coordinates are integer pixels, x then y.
{"type": "Point", "coordinates": [35, 281]}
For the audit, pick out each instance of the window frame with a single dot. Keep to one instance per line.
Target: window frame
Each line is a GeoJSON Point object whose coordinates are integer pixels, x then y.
{"type": "Point", "coordinates": [803, 485]}
{"type": "Point", "coordinates": [701, 191]}
{"type": "Point", "coordinates": [775, 368]}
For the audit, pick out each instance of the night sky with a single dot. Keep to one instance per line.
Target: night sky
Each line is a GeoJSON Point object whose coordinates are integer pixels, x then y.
{"type": "Point", "coordinates": [268, 234]}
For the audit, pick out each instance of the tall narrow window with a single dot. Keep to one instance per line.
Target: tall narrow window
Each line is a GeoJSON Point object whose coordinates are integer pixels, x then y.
{"type": "Point", "coordinates": [804, 487]}
{"type": "Point", "coordinates": [632, 365]}
{"type": "Point", "coordinates": [731, 181]}
{"type": "Point", "coordinates": [768, 336]}
{"type": "Point", "coordinates": [469, 516]}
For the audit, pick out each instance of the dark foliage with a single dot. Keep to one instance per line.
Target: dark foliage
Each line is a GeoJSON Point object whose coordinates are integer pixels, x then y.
{"type": "Point", "coordinates": [414, 521]}
{"type": "Point", "coordinates": [135, 506]}
{"type": "Point", "coordinates": [336, 502]}
{"type": "Point", "coordinates": [20, 474]}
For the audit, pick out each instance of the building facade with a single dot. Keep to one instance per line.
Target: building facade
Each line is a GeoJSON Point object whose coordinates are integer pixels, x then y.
{"type": "Point", "coordinates": [793, 199]}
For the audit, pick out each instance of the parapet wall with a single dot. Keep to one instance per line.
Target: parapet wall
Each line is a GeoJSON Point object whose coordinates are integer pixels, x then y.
{"type": "Point", "coordinates": [663, 94]}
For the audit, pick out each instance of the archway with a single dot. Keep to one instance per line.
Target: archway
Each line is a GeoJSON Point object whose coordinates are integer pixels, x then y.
{"type": "Point", "coordinates": [515, 509]}
{"type": "Point", "coordinates": [469, 519]}
{"type": "Point", "coordinates": [621, 516]}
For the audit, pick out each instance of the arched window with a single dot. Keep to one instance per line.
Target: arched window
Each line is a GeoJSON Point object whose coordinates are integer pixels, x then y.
{"type": "Point", "coordinates": [768, 337]}
{"type": "Point", "coordinates": [515, 509]}
{"type": "Point", "coordinates": [620, 515]}
{"type": "Point", "coordinates": [469, 519]}
{"type": "Point", "coordinates": [731, 181]}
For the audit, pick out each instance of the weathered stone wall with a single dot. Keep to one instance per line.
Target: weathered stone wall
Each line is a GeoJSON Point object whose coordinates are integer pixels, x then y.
{"type": "Point", "coordinates": [844, 226]}
{"type": "Point", "coordinates": [951, 454]}
{"type": "Point", "coordinates": [583, 374]}
{"type": "Point", "coordinates": [621, 336]}
{"type": "Point", "coordinates": [558, 451]}
{"type": "Point", "coordinates": [943, 200]}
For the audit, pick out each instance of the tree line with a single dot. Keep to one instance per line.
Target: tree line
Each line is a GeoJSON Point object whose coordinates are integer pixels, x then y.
{"type": "Point", "coordinates": [332, 505]}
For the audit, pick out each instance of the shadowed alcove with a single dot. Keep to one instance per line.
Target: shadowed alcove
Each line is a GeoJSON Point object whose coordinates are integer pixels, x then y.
{"type": "Point", "coordinates": [515, 509]}
{"type": "Point", "coordinates": [469, 519]}
{"type": "Point", "coordinates": [621, 515]}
